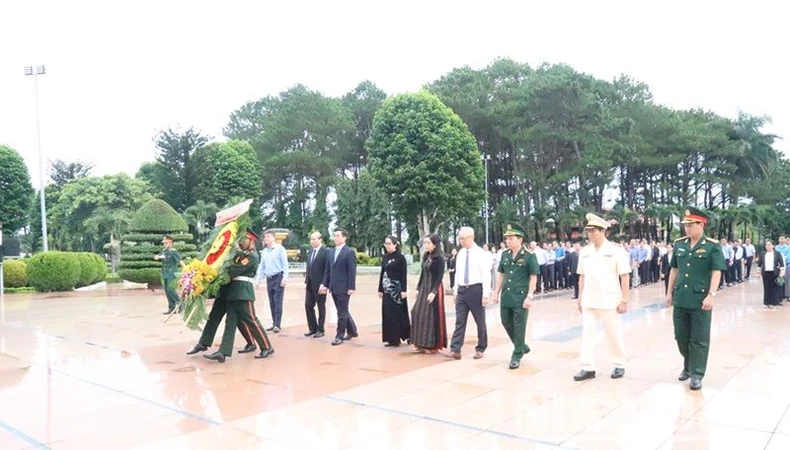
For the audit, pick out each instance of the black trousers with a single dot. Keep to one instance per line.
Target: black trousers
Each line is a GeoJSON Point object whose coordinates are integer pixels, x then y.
{"type": "Point", "coordinates": [772, 292]}
{"type": "Point", "coordinates": [469, 299]}
{"type": "Point", "coordinates": [312, 299]}
{"type": "Point", "coordinates": [345, 323]}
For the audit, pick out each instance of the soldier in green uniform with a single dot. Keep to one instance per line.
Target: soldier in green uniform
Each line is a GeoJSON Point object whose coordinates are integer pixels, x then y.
{"type": "Point", "coordinates": [239, 295]}
{"type": "Point", "coordinates": [171, 261]}
{"type": "Point", "coordinates": [696, 266]}
{"type": "Point", "coordinates": [218, 310]}
{"type": "Point", "coordinates": [518, 275]}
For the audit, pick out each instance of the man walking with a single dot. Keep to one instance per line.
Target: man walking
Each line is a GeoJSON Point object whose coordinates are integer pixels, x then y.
{"type": "Point", "coordinates": [316, 278]}
{"type": "Point", "coordinates": [697, 265]}
{"type": "Point", "coordinates": [516, 282]}
{"type": "Point", "coordinates": [274, 267]}
{"type": "Point", "coordinates": [342, 284]}
{"type": "Point", "coordinates": [171, 261]}
{"type": "Point", "coordinates": [604, 269]}
{"type": "Point", "coordinates": [472, 289]}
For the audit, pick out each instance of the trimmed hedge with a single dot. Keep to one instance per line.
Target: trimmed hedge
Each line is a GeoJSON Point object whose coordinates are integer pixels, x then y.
{"type": "Point", "coordinates": [155, 237]}
{"type": "Point", "coordinates": [15, 273]}
{"type": "Point", "coordinates": [154, 250]}
{"type": "Point", "coordinates": [152, 276]}
{"type": "Point", "coordinates": [53, 271]}
{"type": "Point", "coordinates": [157, 217]}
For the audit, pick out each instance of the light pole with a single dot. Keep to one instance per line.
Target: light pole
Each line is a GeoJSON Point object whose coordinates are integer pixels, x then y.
{"type": "Point", "coordinates": [40, 70]}
{"type": "Point", "coordinates": [485, 163]}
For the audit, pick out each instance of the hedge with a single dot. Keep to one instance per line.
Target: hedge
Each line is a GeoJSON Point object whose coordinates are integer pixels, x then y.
{"type": "Point", "coordinates": [53, 271]}
{"type": "Point", "coordinates": [155, 250]}
{"type": "Point", "coordinates": [155, 237]}
{"type": "Point", "coordinates": [150, 275]}
{"type": "Point", "coordinates": [157, 217]}
{"type": "Point", "coordinates": [15, 273]}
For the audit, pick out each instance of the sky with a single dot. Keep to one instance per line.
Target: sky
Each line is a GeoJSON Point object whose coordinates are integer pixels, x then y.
{"type": "Point", "coordinates": [119, 71]}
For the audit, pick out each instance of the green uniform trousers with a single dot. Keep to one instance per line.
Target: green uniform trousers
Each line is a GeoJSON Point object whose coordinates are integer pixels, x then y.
{"type": "Point", "coordinates": [515, 322]}
{"type": "Point", "coordinates": [170, 285]}
{"type": "Point", "coordinates": [692, 333]}
{"type": "Point", "coordinates": [218, 311]}
{"type": "Point", "coordinates": [242, 313]}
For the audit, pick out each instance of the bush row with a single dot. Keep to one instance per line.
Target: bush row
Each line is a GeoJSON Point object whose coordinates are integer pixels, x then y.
{"type": "Point", "coordinates": [55, 271]}
{"type": "Point", "coordinates": [155, 237]}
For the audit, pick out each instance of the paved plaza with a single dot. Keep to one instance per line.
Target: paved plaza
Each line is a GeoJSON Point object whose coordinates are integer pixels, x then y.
{"type": "Point", "coordinates": [100, 370]}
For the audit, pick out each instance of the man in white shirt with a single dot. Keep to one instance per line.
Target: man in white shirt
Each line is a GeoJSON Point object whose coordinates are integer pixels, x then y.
{"type": "Point", "coordinates": [748, 255]}
{"type": "Point", "coordinates": [604, 269]}
{"type": "Point", "coordinates": [472, 289]}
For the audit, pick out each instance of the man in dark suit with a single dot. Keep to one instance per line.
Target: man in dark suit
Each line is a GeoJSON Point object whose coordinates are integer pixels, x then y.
{"type": "Point", "coordinates": [316, 279]}
{"type": "Point", "coordinates": [573, 265]}
{"type": "Point", "coordinates": [342, 283]}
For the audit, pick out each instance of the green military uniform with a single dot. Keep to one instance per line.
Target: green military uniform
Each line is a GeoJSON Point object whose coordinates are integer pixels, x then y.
{"type": "Point", "coordinates": [239, 294]}
{"type": "Point", "coordinates": [170, 265]}
{"type": "Point", "coordinates": [218, 310]}
{"type": "Point", "coordinates": [695, 266]}
{"type": "Point", "coordinates": [517, 271]}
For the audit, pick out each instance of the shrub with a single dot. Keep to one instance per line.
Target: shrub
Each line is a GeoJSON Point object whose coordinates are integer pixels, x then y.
{"type": "Point", "coordinates": [113, 279]}
{"type": "Point", "coordinates": [375, 261]}
{"type": "Point", "coordinates": [101, 268]}
{"type": "Point", "coordinates": [150, 223]}
{"type": "Point", "coordinates": [53, 271]}
{"type": "Point", "coordinates": [15, 273]}
{"type": "Point", "coordinates": [363, 258]}
{"type": "Point", "coordinates": [88, 269]}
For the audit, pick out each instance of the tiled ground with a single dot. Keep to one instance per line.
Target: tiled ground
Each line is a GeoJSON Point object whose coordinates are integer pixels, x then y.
{"type": "Point", "coordinates": [102, 370]}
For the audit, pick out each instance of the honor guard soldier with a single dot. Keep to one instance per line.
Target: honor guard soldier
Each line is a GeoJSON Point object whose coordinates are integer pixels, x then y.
{"type": "Point", "coordinates": [239, 295]}
{"type": "Point", "coordinates": [171, 261]}
{"type": "Point", "coordinates": [696, 267]}
{"type": "Point", "coordinates": [518, 277]}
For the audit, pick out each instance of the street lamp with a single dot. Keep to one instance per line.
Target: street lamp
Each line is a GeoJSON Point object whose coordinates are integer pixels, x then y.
{"type": "Point", "coordinates": [35, 72]}
{"type": "Point", "coordinates": [485, 159]}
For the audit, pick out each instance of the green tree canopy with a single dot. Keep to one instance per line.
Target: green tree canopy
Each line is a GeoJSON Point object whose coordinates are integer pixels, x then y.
{"type": "Point", "coordinates": [16, 192]}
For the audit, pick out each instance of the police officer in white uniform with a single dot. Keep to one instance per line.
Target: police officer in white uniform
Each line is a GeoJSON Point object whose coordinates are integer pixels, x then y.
{"type": "Point", "coordinates": [603, 294]}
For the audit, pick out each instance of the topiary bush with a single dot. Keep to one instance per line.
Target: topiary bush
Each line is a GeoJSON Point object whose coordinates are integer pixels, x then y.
{"type": "Point", "coordinates": [88, 269]}
{"type": "Point", "coordinates": [15, 273]}
{"type": "Point", "coordinates": [101, 267]}
{"type": "Point", "coordinates": [148, 226]}
{"type": "Point", "coordinates": [54, 271]}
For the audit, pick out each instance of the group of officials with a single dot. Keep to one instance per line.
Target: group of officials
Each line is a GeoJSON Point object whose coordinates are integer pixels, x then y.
{"type": "Point", "coordinates": [603, 278]}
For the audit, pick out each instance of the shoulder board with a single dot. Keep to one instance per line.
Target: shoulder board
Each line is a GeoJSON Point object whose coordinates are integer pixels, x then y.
{"type": "Point", "coordinates": [526, 249]}
{"type": "Point", "coordinates": [712, 240]}
{"type": "Point", "coordinates": [682, 239]}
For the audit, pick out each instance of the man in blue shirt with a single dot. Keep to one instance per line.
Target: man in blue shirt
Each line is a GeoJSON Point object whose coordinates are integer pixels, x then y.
{"type": "Point", "coordinates": [274, 268]}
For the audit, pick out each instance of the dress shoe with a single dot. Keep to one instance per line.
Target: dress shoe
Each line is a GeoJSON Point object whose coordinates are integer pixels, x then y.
{"type": "Point", "coordinates": [309, 333]}
{"type": "Point", "coordinates": [584, 375]}
{"type": "Point", "coordinates": [454, 355]}
{"type": "Point", "coordinates": [478, 355]}
{"type": "Point", "coordinates": [168, 312]}
{"type": "Point", "coordinates": [514, 363]}
{"type": "Point", "coordinates": [271, 328]}
{"type": "Point", "coordinates": [216, 356]}
{"type": "Point", "coordinates": [264, 353]}
{"type": "Point", "coordinates": [350, 336]}
{"type": "Point", "coordinates": [197, 349]}
{"type": "Point", "coordinates": [248, 348]}
{"type": "Point", "coordinates": [320, 334]}
{"type": "Point", "coordinates": [276, 329]}
{"type": "Point", "coordinates": [695, 384]}
{"type": "Point", "coordinates": [391, 344]}
{"type": "Point", "coordinates": [618, 372]}
{"type": "Point", "coordinates": [337, 341]}
{"type": "Point", "coordinates": [683, 376]}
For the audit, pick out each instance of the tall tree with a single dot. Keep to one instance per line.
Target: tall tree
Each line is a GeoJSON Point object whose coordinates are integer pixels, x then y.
{"type": "Point", "coordinates": [363, 210]}
{"type": "Point", "coordinates": [16, 192]}
{"type": "Point", "coordinates": [174, 151]}
{"type": "Point", "coordinates": [424, 157]}
{"type": "Point", "coordinates": [61, 172]}
{"type": "Point", "coordinates": [362, 102]}
{"type": "Point", "coordinates": [225, 170]}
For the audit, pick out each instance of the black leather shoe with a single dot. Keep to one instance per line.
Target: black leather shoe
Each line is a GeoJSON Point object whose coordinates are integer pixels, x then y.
{"type": "Point", "coordinates": [618, 372]}
{"type": "Point", "coordinates": [216, 356]}
{"type": "Point", "coordinates": [320, 334]}
{"type": "Point", "coordinates": [276, 329]}
{"type": "Point", "coordinates": [264, 353]}
{"type": "Point", "coordinates": [337, 341]}
{"type": "Point", "coordinates": [350, 336]}
{"type": "Point", "coordinates": [695, 384]}
{"type": "Point", "coordinates": [683, 376]}
{"type": "Point", "coordinates": [168, 312]}
{"type": "Point", "coordinates": [248, 348]}
{"type": "Point", "coordinates": [514, 363]}
{"type": "Point", "coordinates": [197, 349]}
{"type": "Point", "coordinates": [584, 375]}
{"type": "Point", "coordinates": [309, 333]}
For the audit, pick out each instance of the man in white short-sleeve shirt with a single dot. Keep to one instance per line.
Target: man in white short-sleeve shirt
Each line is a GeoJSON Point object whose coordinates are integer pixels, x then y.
{"type": "Point", "coordinates": [603, 294]}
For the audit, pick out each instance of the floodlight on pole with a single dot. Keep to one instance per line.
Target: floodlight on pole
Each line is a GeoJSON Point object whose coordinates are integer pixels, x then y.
{"type": "Point", "coordinates": [485, 159]}
{"type": "Point", "coordinates": [29, 71]}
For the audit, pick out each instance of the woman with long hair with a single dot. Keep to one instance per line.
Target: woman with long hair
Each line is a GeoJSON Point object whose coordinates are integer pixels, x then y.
{"type": "Point", "coordinates": [393, 294]}
{"type": "Point", "coordinates": [429, 328]}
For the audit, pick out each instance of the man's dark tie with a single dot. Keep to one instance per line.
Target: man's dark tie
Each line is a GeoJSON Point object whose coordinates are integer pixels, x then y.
{"type": "Point", "coordinates": [466, 269]}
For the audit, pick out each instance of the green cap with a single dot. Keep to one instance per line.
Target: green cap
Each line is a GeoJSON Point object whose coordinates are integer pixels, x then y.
{"type": "Point", "coordinates": [514, 229]}
{"type": "Point", "coordinates": [695, 215]}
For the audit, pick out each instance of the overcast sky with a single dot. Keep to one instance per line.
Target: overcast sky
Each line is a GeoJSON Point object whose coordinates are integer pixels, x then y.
{"type": "Point", "coordinates": [116, 74]}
